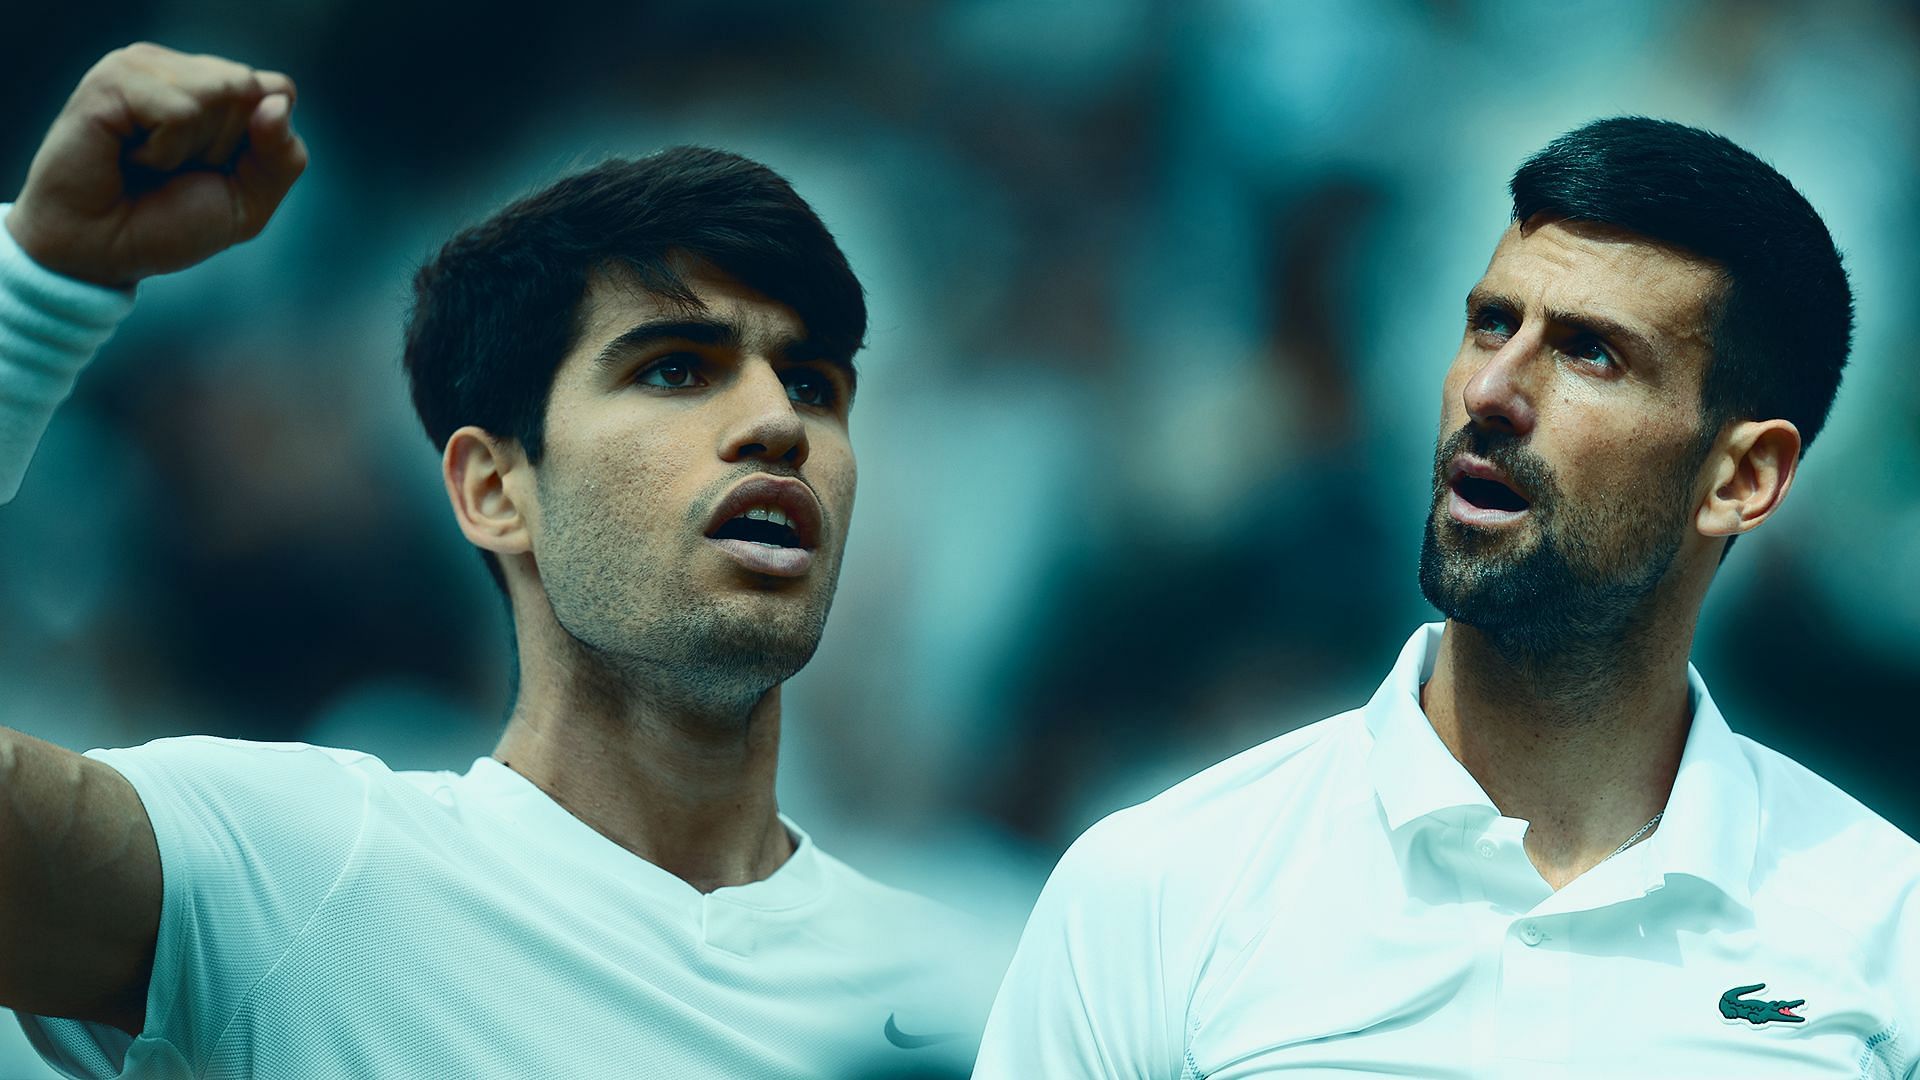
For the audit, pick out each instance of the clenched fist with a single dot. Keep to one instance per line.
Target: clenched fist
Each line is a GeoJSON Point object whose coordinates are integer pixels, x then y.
{"type": "Point", "coordinates": [158, 160]}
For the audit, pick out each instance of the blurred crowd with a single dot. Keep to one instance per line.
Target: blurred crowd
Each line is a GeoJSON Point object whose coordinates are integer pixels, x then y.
{"type": "Point", "coordinates": [1162, 292]}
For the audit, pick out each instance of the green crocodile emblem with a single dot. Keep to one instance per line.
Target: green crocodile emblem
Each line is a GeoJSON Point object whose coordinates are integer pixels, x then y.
{"type": "Point", "coordinates": [1735, 1005]}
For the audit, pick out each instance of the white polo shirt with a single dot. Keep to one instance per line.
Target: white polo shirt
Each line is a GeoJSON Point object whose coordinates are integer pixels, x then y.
{"type": "Point", "coordinates": [323, 916]}
{"type": "Point", "coordinates": [1345, 900]}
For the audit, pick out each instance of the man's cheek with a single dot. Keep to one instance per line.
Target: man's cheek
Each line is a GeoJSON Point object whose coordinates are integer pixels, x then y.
{"type": "Point", "coordinates": [843, 499]}
{"type": "Point", "coordinates": [835, 483]}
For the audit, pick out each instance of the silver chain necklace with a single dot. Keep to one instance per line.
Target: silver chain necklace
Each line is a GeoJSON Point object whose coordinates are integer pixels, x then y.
{"type": "Point", "coordinates": [1642, 831]}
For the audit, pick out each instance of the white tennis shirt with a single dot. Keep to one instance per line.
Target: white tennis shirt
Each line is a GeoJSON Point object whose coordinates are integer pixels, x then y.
{"type": "Point", "coordinates": [323, 916]}
{"type": "Point", "coordinates": [1345, 901]}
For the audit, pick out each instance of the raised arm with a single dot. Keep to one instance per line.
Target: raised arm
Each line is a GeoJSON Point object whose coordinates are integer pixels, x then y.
{"type": "Point", "coordinates": [158, 161]}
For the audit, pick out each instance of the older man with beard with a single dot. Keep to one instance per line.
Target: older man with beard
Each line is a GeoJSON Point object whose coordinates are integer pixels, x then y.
{"type": "Point", "coordinates": [1538, 850]}
{"type": "Point", "coordinates": [640, 381]}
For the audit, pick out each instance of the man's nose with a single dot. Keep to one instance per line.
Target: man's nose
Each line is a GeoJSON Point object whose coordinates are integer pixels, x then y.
{"type": "Point", "coordinates": [1500, 395]}
{"type": "Point", "coordinates": [764, 423]}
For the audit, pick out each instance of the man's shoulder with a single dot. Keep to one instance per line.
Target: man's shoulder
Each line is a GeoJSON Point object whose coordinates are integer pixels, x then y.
{"type": "Point", "coordinates": [1815, 836]}
{"type": "Point", "coordinates": [1219, 815]}
{"type": "Point", "coordinates": [218, 750]}
{"type": "Point", "coordinates": [1801, 808]}
{"type": "Point", "coordinates": [206, 777]}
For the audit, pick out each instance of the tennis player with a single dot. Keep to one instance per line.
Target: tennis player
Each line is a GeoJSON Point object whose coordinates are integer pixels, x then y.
{"type": "Point", "coordinates": [1538, 851]}
{"type": "Point", "coordinates": [640, 380]}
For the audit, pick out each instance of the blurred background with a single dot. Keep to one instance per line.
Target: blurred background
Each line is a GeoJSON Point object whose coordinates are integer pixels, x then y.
{"type": "Point", "coordinates": [1162, 294]}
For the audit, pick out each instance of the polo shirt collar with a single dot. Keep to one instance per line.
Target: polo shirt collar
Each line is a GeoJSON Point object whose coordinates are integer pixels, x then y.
{"type": "Point", "coordinates": [1413, 772]}
{"type": "Point", "coordinates": [1711, 824]}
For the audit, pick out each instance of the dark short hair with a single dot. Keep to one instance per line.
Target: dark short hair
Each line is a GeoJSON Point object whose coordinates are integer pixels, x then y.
{"type": "Point", "coordinates": [1782, 326]}
{"type": "Point", "coordinates": [498, 307]}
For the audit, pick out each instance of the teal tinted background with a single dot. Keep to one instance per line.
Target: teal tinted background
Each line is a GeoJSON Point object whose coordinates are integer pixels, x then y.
{"type": "Point", "coordinates": [1162, 294]}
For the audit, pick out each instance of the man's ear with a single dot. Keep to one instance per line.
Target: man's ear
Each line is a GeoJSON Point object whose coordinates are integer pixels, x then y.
{"type": "Point", "coordinates": [1752, 467]}
{"type": "Point", "coordinates": [482, 474]}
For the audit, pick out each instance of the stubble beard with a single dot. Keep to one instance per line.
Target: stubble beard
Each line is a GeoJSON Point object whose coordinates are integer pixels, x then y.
{"type": "Point", "coordinates": [653, 629]}
{"type": "Point", "coordinates": [1558, 605]}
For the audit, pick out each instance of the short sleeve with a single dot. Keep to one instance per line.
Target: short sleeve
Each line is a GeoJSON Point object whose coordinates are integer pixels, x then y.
{"type": "Point", "coordinates": [252, 837]}
{"type": "Point", "coordinates": [1086, 993]}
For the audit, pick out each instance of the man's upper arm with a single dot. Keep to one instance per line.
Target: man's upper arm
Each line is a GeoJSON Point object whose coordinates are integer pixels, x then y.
{"type": "Point", "coordinates": [252, 839]}
{"type": "Point", "coordinates": [79, 886]}
{"type": "Point", "coordinates": [1085, 995]}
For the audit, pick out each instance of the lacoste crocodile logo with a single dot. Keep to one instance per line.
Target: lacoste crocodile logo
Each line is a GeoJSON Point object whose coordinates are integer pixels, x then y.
{"type": "Point", "coordinates": [1735, 1005]}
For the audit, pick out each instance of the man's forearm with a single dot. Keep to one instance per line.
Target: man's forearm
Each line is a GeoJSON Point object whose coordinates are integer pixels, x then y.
{"type": "Point", "coordinates": [50, 326]}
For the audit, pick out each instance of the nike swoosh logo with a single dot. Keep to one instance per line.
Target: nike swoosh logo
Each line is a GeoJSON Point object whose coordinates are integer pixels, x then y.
{"type": "Point", "coordinates": [915, 1042]}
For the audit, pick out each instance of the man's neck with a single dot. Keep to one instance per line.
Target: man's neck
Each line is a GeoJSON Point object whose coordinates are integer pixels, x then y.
{"type": "Point", "coordinates": [1584, 748]}
{"type": "Point", "coordinates": [692, 794]}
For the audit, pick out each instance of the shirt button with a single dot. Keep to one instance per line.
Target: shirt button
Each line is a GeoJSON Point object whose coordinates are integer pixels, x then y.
{"type": "Point", "coordinates": [1530, 933]}
{"type": "Point", "coordinates": [1486, 849]}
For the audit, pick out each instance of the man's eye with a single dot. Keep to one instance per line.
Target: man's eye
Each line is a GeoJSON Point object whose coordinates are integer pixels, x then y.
{"type": "Point", "coordinates": [672, 373]}
{"type": "Point", "coordinates": [1492, 321]}
{"type": "Point", "coordinates": [1591, 350]}
{"type": "Point", "coordinates": [810, 388]}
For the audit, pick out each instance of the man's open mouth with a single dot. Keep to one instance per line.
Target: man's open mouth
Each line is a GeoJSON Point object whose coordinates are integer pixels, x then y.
{"type": "Point", "coordinates": [1480, 493]}
{"type": "Point", "coordinates": [1488, 494]}
{"type": "Point", "coordinates": [767, 525]}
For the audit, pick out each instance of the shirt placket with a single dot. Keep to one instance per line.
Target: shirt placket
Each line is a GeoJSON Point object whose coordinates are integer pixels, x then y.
{"type": "Point", "coordinates": [1525, 1027]}
{"type": "Point", "coordinates": [1538, 1003]}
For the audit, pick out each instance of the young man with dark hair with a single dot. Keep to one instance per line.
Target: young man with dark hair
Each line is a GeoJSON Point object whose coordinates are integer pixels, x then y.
{"type": "Point", "coordinates": [1538, 850]}
{"type": "Point", "coordinates": [639, 379]}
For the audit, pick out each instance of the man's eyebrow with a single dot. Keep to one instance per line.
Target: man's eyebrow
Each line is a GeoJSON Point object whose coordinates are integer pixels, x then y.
{"type": "Point", "coordinates": [713, 332]}
{"type": "Point", "coordinates": [1481, 298]}
{"type": "Point", "coordinates": [808, 350]}
{"type": "Point", "coordinates": [1601, 326]}
{"type": "Point", "coordinates": [644, 335]}
{"type": "Point", "coordinates": [717, 333]}
{"type": "Point", "coordinates": [1607, 329]}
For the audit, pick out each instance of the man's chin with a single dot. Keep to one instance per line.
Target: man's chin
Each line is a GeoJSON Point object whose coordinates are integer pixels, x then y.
{"type": "Point", "coordinates": [727, 664]}
{"type": "Point", "coordinates": [1473, 575]}
{"type": "Point", "coordinates": [769, 640]}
